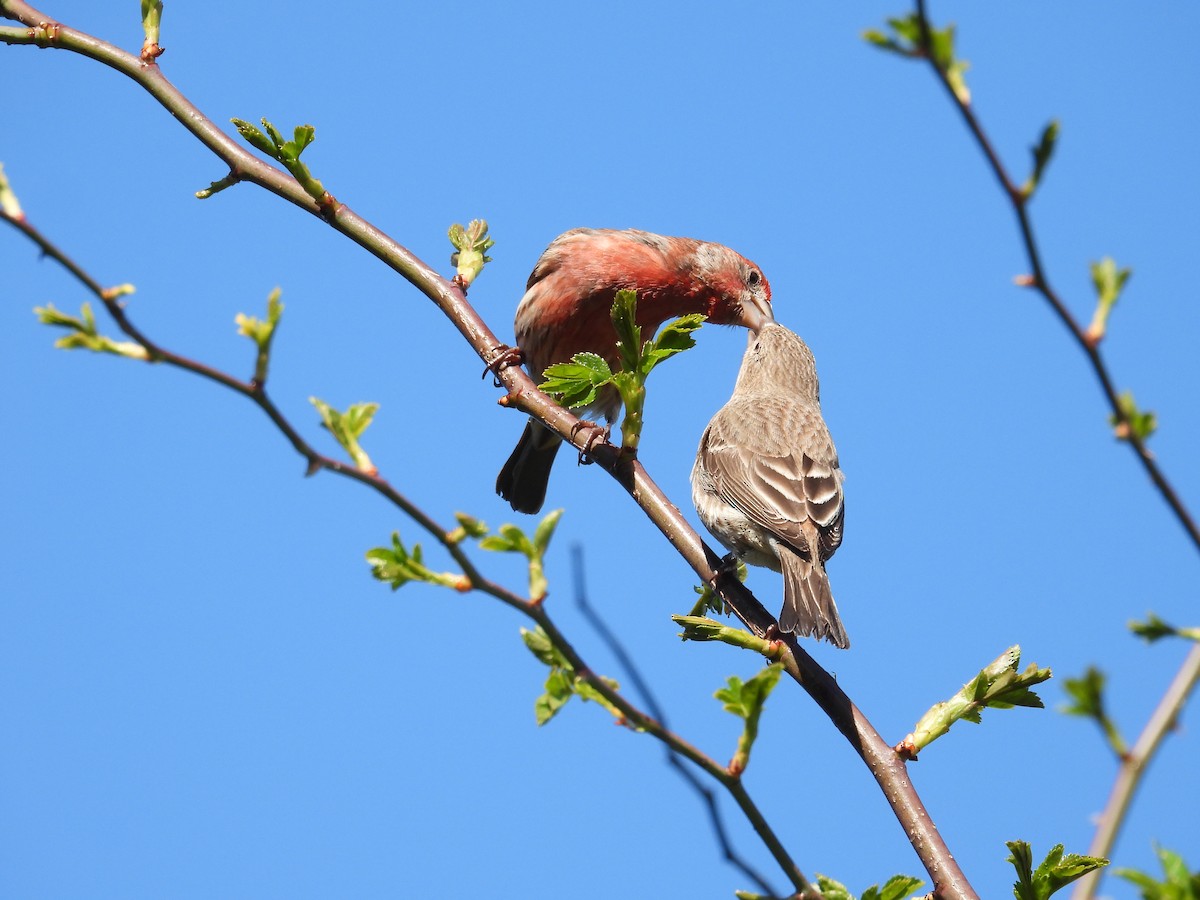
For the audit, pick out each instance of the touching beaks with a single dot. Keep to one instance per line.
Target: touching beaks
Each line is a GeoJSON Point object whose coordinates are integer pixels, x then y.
{"type": "Point", "coordinates": [756, 312]}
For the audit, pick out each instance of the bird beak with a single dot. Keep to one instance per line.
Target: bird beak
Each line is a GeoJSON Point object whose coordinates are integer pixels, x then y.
{"type": "Point", "coordinates": [756, 312]}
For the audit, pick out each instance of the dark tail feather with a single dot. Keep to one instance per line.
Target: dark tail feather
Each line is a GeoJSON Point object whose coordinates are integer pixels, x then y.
{"type": "Point", "coordinates": [808, 607]}
{"type": "Point", "coordinates": [524, 478]}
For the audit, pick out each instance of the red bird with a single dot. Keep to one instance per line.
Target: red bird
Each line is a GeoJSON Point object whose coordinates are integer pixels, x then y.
{"type": "Point", "coordinates": [566, 310]}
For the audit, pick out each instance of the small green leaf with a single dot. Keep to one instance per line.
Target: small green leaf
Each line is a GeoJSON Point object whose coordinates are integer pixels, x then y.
{"type": "Point", "coordinates": [1041, 156]}
{"type": "Point", "coordinates": [471, 245]}
{"type": "Point", "coordinates": [84, 335]}
{"type": "Point", "coordinates": [1108, 281]}
{"type": "Point", "coordinates": [629, 333]}
{"type": "Point", "coordinates": [468, 526]}
{"type": "Point", "coordinates": [542, 647]}
{"type": "Point", "coordinates": [261, 331]}
{"type": "Point", "coordinates": [397, 565]}
{"type": "Point", "coordinates": [675, 337]}
{"type": "Point", "coordinates": [273, 133]}
{"type": "Point", "coordinates": [1055, 872]}
{"type": "Point", "coordinates": [833, 890]}
{"type": "Point", "coordinates": [562, 681]}
{"type": "Point", "coordinates": [1178, 882]}
{"type": "Point", "coordinates": [347, 427]}
{"type": "Point", "coordinates": [1132, 420]}
{"type": "Point", "coordinates": [745, 699]}
{"type": "Point", "coordinates": [578, 382]}
{"type": "Point", "coordinates": [151, 19]}
{"type": "Point", "coordinates": [998, 686]}
{"type": "Point", "coordinates": [545, 531]}
{"type": "Point", "coordinates": [1152, 629]}
{"type": "Point", "coordinates": [255, 138]}
{"type": "Point", "coordinates": [898, 887]}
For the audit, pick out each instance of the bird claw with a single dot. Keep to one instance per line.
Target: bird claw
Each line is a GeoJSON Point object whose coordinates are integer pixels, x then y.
{"type": "Point", "coordinates": [599, 435]}
{"type": "Point", "coordinates": [508, 356]}
{"type": "Point", "coordinates": [726, 567]}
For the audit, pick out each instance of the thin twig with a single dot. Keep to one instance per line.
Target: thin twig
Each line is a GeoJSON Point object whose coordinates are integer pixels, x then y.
{"type": "Point", "coordinates": [626, 662]}
{"type": "Point", "coordinates": [256, 393]}
{"type": "Point", "coordinates": [1040, 281]}
{"type": "Point", "coordinates": [1133, 766]}
{"type": "Point", "coordinates": [1131, 769]}
{"type": "Point", "coordinates": [887, 768]}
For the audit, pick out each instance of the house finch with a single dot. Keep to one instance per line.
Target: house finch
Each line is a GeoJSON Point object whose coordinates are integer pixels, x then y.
{"type": "Point", "coordinates": [766, 481]}
{"type": "Point", "coordinates": [566, 310]}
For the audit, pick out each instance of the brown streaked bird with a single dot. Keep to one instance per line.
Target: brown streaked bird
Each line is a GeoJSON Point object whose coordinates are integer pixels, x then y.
{"type": "Point", "coordinates": [566, 310]}
{"type": "Point", "coordinates": [767, 483]}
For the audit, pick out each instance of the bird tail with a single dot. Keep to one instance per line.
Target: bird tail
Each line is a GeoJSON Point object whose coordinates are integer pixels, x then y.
{"type": "Point", "coordinates": [524, 478]}
{"type": "Point", "coordinates": [808, 607]}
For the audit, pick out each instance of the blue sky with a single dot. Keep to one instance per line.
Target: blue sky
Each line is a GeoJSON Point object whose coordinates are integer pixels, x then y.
{"type": "Point", "coordinates": [204, 692]}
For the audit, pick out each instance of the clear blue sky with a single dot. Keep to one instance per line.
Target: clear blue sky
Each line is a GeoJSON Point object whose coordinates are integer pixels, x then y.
{"type": "Point", "coordinates": [204, 694]}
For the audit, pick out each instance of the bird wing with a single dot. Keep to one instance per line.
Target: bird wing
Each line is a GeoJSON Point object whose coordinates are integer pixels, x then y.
{"type": "Point", "coordinates": [781, 489]}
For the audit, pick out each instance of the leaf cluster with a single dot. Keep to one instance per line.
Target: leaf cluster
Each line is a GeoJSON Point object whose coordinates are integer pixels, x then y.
{"type": "Point", "coordinates": [511, 539]}
{"type": "Point", "coordinates": [262, 331]}
{"type": "Point", "coordinates": [578, 383]}
{"type": "Point", "coordinates": [347, 427]}
{"type": "Point", "coordinates": [470, 249]}
{"type": "Point", "coordinates": [397, 565]}
{"type": "Point", "coordinates": [563, 682]}
{"type": "Point", "coordinates": [1178, 882]}
{"type": "Point", "coordinates": [286, 152]}
{"type": "Point", "coordinates": [83, 333]}
{"type": "Point", "coordinates": [745, 699]}
{"type": "Point", "coordinates": [998, 686]}
{"type": "Point", "coordinates": [1054, 872]}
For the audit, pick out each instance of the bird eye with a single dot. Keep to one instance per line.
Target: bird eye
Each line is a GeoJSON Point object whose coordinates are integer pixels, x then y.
{"type": "Point", "coordinates": [754, 278]}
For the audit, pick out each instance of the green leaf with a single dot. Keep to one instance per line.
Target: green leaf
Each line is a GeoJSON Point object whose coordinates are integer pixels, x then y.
{"type": "Point", "coordinates": [468, 526]}
{"type": "Point", "coordinates": [545, 531]}
{"type": "Point", "coordinates": [998, 686]}
{"type": "Point", "coordinates": [675, 337]}
{"type": "Point", "coordinates": [1041, 156]}
{"type": "Point", "coordinates": [347, 427]}
{"type": "Point", "coordinates": [542, 647]}
{"type": "Point", "coordinates": [151, 19]}
{"type": "Point", "coordinates": [895, 888]}
{"type": "Point", "coordinates": [1108, 282]}
{"type": "Point", "coordinates": [1142, 424]}
{"type": "Point", "coordinates": [1087, 694]}
{"type": "Point", "coordinates": [578, 382]}
{"type": "Point", "coordinates": [1152, 629]}
{"type": "Point", "coordinates": [562, 681]}
{"type": "Point", "coordinates": [84, 335]}
{"type": "Point", "coordinates": [1178, 882]}
{"type": "Point", "coordinates": [471, 245]}
{"type": "Point", "coordinates": [261, 331]}
{"type": "Point", "coordinates": [1055, 872]}
{"type": "Point", "coordinates": [397, 565]}
{"type": "Point", "coordinates": [745, 699]}
{"type": "Point", "coordinates": [833, 890]}
{"type": "Point", "coordinates": [255, 138]}
{"type": "Point", "coordinates": [629, 333]}
{"type": "Point", "coordinates": [512, 539]}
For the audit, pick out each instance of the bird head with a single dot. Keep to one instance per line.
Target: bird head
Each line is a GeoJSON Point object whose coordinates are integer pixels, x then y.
{"type": "Point", "coordinates": [740, 293]}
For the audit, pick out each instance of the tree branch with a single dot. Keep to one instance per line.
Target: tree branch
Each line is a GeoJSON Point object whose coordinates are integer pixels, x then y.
{"type": "Point", "coordinates": [887, 768]}
{"type": "Point", "coordinates": [1040, 281]}
{"type": "Point", "coordinates": [1133, 766]}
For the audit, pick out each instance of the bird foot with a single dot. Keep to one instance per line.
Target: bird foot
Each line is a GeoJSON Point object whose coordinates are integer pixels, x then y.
{"type": "Point", "coordinates": [728, 566]}
{"type": "Point", "coordinates": [599, 435]}
{"type": "Point", "coordinates": [507, 356]}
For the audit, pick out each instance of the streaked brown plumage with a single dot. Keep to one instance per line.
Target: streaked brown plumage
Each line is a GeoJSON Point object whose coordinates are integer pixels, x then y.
{"type": "Point", "coordinates": [766, 481]}
{"type": "Point", "coordinates": [566, 310]}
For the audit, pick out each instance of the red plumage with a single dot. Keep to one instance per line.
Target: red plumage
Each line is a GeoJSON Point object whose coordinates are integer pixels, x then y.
{"type": "Point", "coordinates": [566, 310]}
